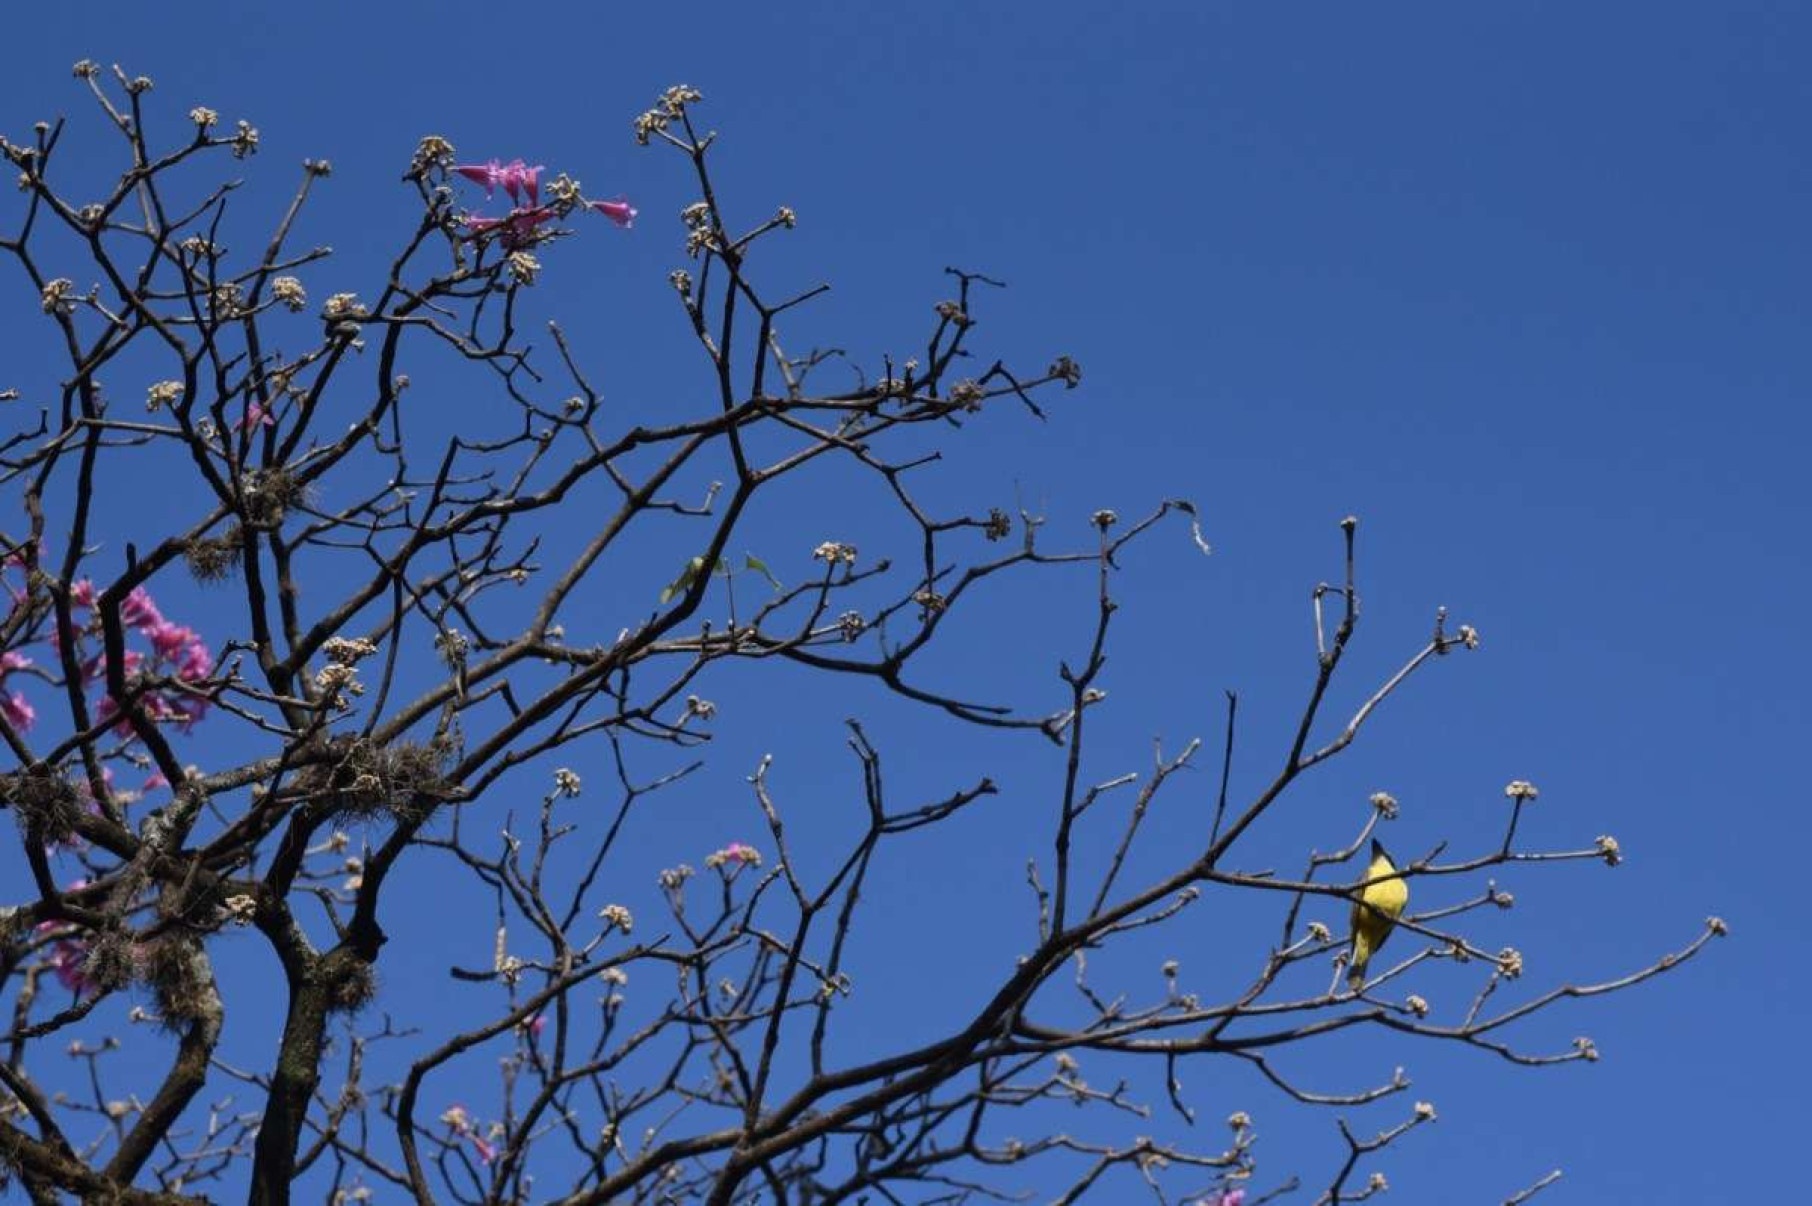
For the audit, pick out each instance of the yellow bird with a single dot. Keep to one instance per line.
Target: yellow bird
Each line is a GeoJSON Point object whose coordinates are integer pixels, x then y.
{"type": "Point", "coordinates": [1380, 902]}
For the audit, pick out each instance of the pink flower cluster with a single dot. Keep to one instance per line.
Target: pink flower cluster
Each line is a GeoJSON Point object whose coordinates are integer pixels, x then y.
{"type": "Point", "coordinates": [13, 705]}
{"type": "Point", "coordinates": [173, 651]}
{"type": "Point", "coordinates": [522, 184]}
{"type": "Point", "coordinates": [69, 953]}
{"type": "Point", "coordinates": [176, 651]}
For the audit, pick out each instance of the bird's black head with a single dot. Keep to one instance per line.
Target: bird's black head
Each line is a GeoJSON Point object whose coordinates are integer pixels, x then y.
{"type": "Point", "coordinates": [1378, 850]}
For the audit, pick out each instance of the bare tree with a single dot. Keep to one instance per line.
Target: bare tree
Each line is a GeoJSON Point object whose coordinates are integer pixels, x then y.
{"type": "Point", "coordinates": [394, 696]}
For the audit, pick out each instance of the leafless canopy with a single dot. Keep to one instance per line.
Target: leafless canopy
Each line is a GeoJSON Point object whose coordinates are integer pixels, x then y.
{"type": "Point", "coordinates": [363, 725]}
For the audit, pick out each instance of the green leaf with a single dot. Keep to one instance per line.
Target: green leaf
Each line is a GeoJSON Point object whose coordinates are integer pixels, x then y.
{"type": "Point", "coordinates": [684, 582]}
{"type": "Point", "coordinates": [751, 561]}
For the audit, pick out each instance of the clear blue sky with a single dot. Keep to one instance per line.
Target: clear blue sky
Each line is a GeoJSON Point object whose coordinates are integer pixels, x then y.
{"type": "Point", "coordinates": [1523, 286]}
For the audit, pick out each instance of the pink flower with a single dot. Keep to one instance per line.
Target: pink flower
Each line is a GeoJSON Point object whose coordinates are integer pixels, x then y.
{"type": "Point", "coordinates": [95, 668]}
{"type": "Point", "coordinates": [196, 662]}
{"type": "Point", "coordinates": [12, 660]}
{"type": "Point", "coordinates": [486, 1153]}
{"type": "Point", "coordinates": [69, 961]}
{"type": "Point", "coordinates": [535, 1024]}
{"type": "Point", "coordinates": [17, 709]}
{"type": "Point", "coordinates": [256, 416]}
{"type": "Point", "coordinates": [1233, 1197]}
{"type": "Point", "coordinates": [82, 593]}
{"type": "Point", "coordinates": [619, 211]}
{"type": "Point", "coordinates": [169, 640]}
{"type": "Point", "coordinates": [517, 228]}
{"type": "Point", "coordinates": [515, 178]}
{"type": "Point", "coordinates": [734, 855]}
{"type": "Point", "coordinates": [138, 610]}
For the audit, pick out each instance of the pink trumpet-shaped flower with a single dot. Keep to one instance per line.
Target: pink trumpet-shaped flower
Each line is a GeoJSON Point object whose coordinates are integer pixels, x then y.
{"type": "Point", "coordinates": [17, 709]}
{"type": "Point", "coordinates": [618, 210]}
{"type": "Point", "coordinates": [168, 639]}
{"type": "Point", "coordinates": [12, 660]}
{"type": "Point", "coordinates": [486, 1153]}
{"type": "Point", "coordinates": [82, 593]}
{"type": "Point", "coordinates": [69, 961]}
{"type": "Point", "coordinates": [196, 662]}
{"type": "Point", "coordinates": [138, 610]}
{"type": "Point", "coordinates": [516, 230]}
{"type": "Point", "coordinates": [515, 178]}
{"type": "Point", "coordinates": [256, 415]}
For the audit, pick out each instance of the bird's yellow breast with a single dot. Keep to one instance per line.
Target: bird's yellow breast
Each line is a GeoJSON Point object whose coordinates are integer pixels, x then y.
{"type": "Point", "coordinates": [1387, 896]}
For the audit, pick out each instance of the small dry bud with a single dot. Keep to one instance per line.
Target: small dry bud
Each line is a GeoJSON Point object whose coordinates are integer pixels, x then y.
{"type": "Point", "coordinates": [523, 267]}
{"type": "Point", "coordinates": [1588, 1050]}
{"type": "Point", "coordinates": [164, 393]}
{"type": "Point", "coordinates": [1320, 932]}
{"type": "Point", "coordinates": [968, 395]}
{"type": "Point", "coordinates": [227, 301]}
{"type": "Point", "coordinates": [1377, 1183]}
{"type": "Point", "coordinates": [431, 152]}
{"type": "Point", "coordinates": [1104, 519]}
{"type": "Point", "coordinates": [343, 306]}
{"type": "Point", "coordinates": [84, 69]}
{"type": "Point", "coordinates": [54, 298]}
{"type": "Point", "coordinates": [347, 651]}
{"type": "Point", "coordinates": [1416, 1005]}
{"type": "Point", "coordinates": [1521, 790]}
{"type": "Point", "coordinates": [1386, 804]}
{"type": "Point", "coordinates": [566, 782]}
{"type": "Point", "coordinates": [617, 917]}
{"type": "Point", "coordinates": [1067, 371]}
{"type": "Point", "coordinates": [1169, 969]}
{"type": "Point", "coordinates": [1425, 1111]}
{"type": "Point", "coordinates": [245, 140]}
{"type": "Point", "coordinates": [1609, 850]}
{"type": "Point", "coordinates": [1716, 926]}
{"type": "Point", "coordinates": [334, 678]}
{"type": "Point", "coordinates": [1469, 636]}
{"type": "Point", "coordinates": [289, 291]}
{"type": "Point", "coordinates": [1510, 963]}
{"type": "Point", "coordinates": [564, 191]}
{"type": "Point", "coordinates": [1239, 1120]}
{"type": "Point", "coordinates": [204, 117]}
{"type": "Point", "coordinates": [786, 217]}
